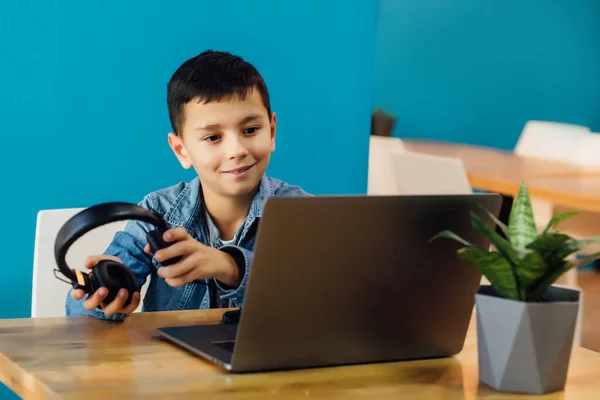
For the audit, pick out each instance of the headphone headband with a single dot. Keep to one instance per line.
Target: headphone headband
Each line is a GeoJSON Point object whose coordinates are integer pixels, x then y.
{"type": "Point", "coordinates": [94, 217]}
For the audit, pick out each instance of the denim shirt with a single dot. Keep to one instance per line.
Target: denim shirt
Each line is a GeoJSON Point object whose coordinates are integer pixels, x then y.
{"type": "Point", "coordinates": [181, 205]}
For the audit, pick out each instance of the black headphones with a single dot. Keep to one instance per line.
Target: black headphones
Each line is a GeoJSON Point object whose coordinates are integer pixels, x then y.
{"type": "Point", "coordinates": [110, 274]}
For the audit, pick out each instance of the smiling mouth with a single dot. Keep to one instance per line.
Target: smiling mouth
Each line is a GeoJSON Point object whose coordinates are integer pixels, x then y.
{"type": "Point", "coordinates": [239, 170]}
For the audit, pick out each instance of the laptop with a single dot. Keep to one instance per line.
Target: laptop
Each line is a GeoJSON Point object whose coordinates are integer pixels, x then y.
{"type": "Point", "coordinates": [340, 280]}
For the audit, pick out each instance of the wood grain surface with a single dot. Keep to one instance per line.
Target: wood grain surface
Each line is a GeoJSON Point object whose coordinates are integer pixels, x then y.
{"type": "Point", "coordinates": [503, 172]}
{"type": "Point", "coordinates": [84, 358]}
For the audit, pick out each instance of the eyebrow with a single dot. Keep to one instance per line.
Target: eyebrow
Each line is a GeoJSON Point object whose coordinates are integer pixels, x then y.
{"type": "Point", "coordinates": [245, 120]}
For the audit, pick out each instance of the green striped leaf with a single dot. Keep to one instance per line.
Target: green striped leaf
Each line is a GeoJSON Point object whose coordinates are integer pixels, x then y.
{"type": "Point", "coordinates": [450, 235]}
{"type": "Point", "coordinates": [542, 285]}
{"type": "Point", "coordinates": [511, 254]}
{"type": "Point", "coordinates": [499, 223]}
{"type": "Point", "coordinates": [557, 219]}
{"type": "Point", "coordinates": [531, 269]}
{"type": "Point", "coordinates": [494, 267]}
{"type": "Point", "coordinates": [521, 224]}
{"type": "Point", "coordinates": [573, 245]}
{"type": "Point", "coordinates": [550, 243]}
{"type": "Point", "coordinates": [539, 290]}
{"type": "Point", "coordinates": [504, 247]}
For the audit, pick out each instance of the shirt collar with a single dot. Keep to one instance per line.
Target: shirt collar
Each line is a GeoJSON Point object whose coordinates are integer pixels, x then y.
{"type": "Point", "coordinates": [265, 190]}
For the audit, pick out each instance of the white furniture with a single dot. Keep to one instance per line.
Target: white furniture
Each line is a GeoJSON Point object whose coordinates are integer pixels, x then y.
{"type": "Point", "coordinates": [425, 174]}
{"type": "Point", "coordinates": [588, 153]}
{"type": "Point", "coordinates": [49, 293]}
{"type": "Point", "coordinates": [551, 140]}
{"type": "Point", "coordinates": [380, 168]}
{"type": "Point", "coordinates": [393, 171]}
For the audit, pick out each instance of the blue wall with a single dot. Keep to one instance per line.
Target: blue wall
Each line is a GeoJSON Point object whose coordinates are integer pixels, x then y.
{"type": "Point", "coordinates": [475, 71]}
{"type": "Point", "coordinates": [83, 106]}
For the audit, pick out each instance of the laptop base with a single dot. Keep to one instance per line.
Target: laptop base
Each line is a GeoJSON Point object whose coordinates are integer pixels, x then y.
{"type": "Point", "coordinates": [213, 342]}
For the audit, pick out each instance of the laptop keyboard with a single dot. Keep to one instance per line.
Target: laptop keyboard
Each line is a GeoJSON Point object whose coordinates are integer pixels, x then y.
{"type": "Point", "coordinates": [226, 344]}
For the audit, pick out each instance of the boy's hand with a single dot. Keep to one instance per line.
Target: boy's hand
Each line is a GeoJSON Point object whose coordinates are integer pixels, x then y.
{"type": "Point", "coordinates": [198, 261]}
{"type": "Point", "coordinates": [95, 299]}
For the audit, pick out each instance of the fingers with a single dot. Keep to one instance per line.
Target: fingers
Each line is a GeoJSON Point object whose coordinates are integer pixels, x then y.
{"type": "Point", "coordinates": [171, 235]}
{"type": "Point", "coordinates": [175, 234]}
{"type": "Point", "coordinates": [117, 304]}
{"type": "Point", "coordinates": [178, 269]}
{"type": "Point", "coordinates": [180, 280]}
{"type": "Point", "coordinates": [77, 294]}
{"type": "Point", "coordinates": [95, 299]}
{"type": "Point", "coordinates": [135, 302]}
{"type": "Point", "coordinates": [186, 271]}
{"type": "Point", "coordinates": [174, 250]}
{"type": "Point", "coordinates": [181, 273]}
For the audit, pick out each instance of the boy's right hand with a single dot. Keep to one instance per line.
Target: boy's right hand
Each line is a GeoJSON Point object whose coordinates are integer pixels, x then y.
{"type": "Point", "coordinates": [94, 300]}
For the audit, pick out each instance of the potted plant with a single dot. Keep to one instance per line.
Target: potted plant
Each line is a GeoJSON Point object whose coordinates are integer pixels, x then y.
{"type": "Point", "coordinates": [525, 324]}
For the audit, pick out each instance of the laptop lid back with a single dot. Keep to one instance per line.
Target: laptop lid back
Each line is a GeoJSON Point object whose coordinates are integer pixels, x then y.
{"type": "Point", "coordinates": [345, 280]}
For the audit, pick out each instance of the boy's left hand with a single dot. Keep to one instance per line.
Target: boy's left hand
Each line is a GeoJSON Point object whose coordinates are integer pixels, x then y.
{"type": "Point", "coordinates": [198, 261]}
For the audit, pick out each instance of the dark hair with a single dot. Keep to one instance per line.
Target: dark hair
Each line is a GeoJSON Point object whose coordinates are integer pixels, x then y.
{"type": "Point", "coordinates": [212, 76]}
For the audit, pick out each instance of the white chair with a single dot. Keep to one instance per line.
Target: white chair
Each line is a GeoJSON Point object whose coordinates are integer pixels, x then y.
{"type": "Point", "coordinates": [551, 140]}
{"type": "Point", "coordinates": [588, 153]}
{"type": "Point", "coordinates": [573, 144]}
{"type": "Point", "coordinates": [49, 293]}
{"type": "Point", "coordinates": [393, 170]}
{"type": "Point", "coordinates": [426, 174]}
{"type": "Point", "coordinates": [381, 179]}
{"type": "Point", "coordinates": [569, 143]}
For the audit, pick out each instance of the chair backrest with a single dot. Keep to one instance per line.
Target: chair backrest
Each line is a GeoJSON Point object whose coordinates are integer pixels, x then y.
{"type": "Point", "coordinates": [551, 140]}
{"type": "Point", "coordinates": [48, 293]}
{"type": "Point", "coordinates": [393, 170]}
{"type": "Point", "coordinates": [589, 151]}
{"type": "Point", "coordinates": [427, 174]}
{"type": "Point", "coordinates": [380, 170]}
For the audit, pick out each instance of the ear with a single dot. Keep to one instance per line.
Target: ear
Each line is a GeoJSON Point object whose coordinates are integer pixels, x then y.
{"type": "Point", "coordinates": [178, 148]}
{"type": "Point", "coordinates": [273, 130]}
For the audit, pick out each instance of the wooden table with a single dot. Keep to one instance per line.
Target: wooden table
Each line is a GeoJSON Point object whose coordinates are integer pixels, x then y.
{"type": "Point", "coordinates": [84, 358]}
{"type": "Point", "coordinates": [503, 172]}
{"type": "Point", "coordinates": [554, 186]}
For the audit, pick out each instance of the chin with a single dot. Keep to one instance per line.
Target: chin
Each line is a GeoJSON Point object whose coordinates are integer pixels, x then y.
{"type": "Point", "coordinates": [242, 189]}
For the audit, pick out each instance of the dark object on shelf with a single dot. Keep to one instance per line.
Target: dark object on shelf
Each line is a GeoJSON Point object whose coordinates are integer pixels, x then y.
{"type": "Point", "coordinates": [382, 123]}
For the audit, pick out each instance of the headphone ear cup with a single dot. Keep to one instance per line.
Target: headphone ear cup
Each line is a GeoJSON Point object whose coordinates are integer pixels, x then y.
{"type": "Point", "coordinates": [114, 276]}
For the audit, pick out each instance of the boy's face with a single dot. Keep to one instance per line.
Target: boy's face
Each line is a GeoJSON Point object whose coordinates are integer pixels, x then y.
{"type": "Point", "coordinates": [229, 143]}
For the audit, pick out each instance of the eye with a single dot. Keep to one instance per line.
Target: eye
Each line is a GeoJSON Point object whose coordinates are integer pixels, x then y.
{"type": "Point", "coordinates": [212, 138]}
{"type": "Point", "coordinates": [251, 130]}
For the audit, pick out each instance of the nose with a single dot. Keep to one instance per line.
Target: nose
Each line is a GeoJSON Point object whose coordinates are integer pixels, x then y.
{"type": "Point", "coordinates": [235, 148]}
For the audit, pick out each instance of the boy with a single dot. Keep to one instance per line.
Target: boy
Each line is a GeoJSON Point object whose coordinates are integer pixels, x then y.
{"type": "Point", "coordinates": [223, 127]}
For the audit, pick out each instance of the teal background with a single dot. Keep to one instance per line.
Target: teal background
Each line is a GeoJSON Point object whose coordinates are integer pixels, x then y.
{"type": "Point", "coordinates": [83, 102]}
{"type": "Point", "coordinates": [475, 71]}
